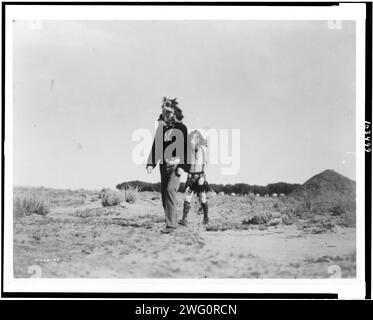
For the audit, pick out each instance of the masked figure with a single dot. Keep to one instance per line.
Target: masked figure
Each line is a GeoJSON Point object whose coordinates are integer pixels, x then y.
{"type": "Point", "coordinates": [170, 150]}
{"type": "Point", "coordinates": [196, 182]}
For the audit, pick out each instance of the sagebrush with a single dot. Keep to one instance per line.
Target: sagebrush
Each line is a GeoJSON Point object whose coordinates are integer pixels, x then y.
{"type": "Point", "coordinates": [130, 194]}
{"type": "Point", "coordinates": [111, 198]}
{"type": "Point", "coordinates": [28, 203]}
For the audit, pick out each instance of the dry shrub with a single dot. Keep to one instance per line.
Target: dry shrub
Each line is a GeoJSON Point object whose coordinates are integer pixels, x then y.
{"type": "Point", "coordinates": [57, 197]}
{"type": "Point", "coordinates": [288, 217]}
{"type": "Point", "coordinates": [155, 197]}
{"type": "Point", "coordinates": [111, 198]}
{"type": "Point", "coordinates": [345, 212]}
{"type": "Point", "coordinates": [252, 197]}
{"type": "Point", "coordinates": [259, 218]}
{"type": "Point", "coordinates": [304, 210]}
{"type": "Point", "coordinates": [28, 203]}
{"type": "Point", "coordinates": [130, 194]}
{"type": "Point", "coordinates": [102, 192]}
{"type": "Point", "coordinates": [342, 209]}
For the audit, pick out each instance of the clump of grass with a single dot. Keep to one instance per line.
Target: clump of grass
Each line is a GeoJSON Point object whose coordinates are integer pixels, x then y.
{"type": "Point", "coordinates": [102, 192]}
{"type": "Point", "coordinates": [252, 197]}
{"type": "Point", "coordinates": [130, 194]}
{"type": "Point", "coordinates": [341, 209]}
{"type": "Point", "coordinates": [288, 217]}
{"type": "Point", "coordinates": [28, 203]}
{"type": "Point", "coordinates": [110, 197]}
{"type": "Point", "coordinates": [258, 218]}
{"type": "Point", "coordinates": [155, 197]}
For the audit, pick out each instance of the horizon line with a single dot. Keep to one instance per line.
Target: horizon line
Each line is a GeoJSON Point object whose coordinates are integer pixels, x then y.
{"type": "Point", "coordinates": [94, 189]}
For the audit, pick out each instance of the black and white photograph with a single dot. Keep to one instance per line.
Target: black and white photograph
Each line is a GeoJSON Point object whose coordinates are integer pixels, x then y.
{"type": "Point", "coordinates": [180, 148]}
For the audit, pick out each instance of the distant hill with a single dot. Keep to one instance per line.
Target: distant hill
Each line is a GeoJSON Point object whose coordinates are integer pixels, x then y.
{"type": "Point", "coordinates": [327, 186]}
{"type": "Point", "coordinates": [328, 193]}
{"type": "Point", "coordinates": [238, 188]}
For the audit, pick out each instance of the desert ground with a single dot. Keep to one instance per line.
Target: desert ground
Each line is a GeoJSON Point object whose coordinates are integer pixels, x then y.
{"type": "Point", "coordinates": [79, 238]}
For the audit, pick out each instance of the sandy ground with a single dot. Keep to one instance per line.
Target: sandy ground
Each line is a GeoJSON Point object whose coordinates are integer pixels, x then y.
{"type": "Point", "coordinates": [89, 241]}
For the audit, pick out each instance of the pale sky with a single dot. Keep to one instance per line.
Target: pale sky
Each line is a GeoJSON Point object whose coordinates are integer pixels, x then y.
{"type": "Point", "coordinates": [81, 89]}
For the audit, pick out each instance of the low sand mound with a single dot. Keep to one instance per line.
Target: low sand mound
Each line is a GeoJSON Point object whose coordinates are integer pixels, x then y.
{"type": "Point", "coordinates": [328, 193]}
